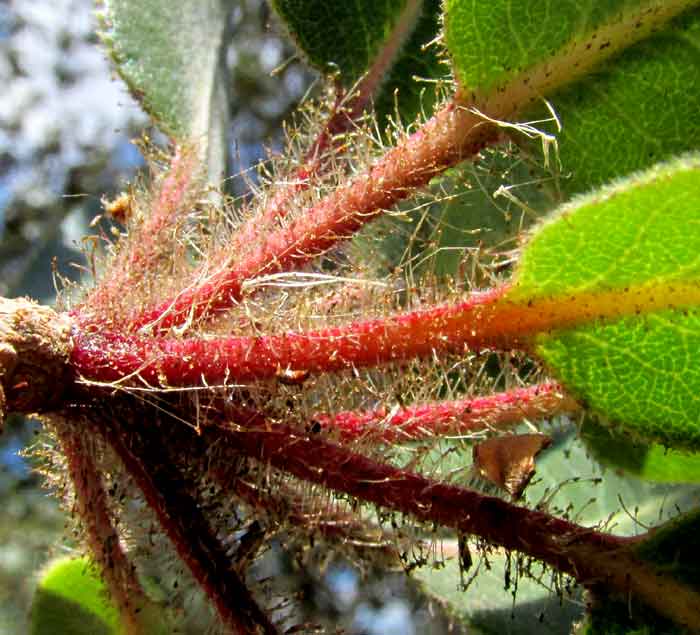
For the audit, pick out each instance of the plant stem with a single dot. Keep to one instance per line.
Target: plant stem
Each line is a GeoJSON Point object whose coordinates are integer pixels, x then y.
{"type": "Point", "coordinates": [178, 362]}
{"type": "Point", "coordinates": [153, 236]}
{"type": "Point", "coordinates": [347, 109]}
{"type": "Point", "coordinates": [593, 558]}
{"type": "Point", "coordinates": [101, 537]}
{"type": "Point", "coordinates": [498, 411]}
{"type": "Point", "coordinates": [35, 345]}
{"type": "Point", "coordinates": [484, 320]}
{"type": "Point", "coordinates": [343, 115]}
{"type": "Point", "coordinates": [167, 493]}
{"type": "Point", "coordinates": [452, 135]}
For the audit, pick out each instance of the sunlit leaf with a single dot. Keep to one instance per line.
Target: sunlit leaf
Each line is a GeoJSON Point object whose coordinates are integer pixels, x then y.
{"type": "Point", "coordinates": [620, 74]}
{"type": "Point", "coordinates": [632, 250]}
{"type": "Point", "coordinates": [71, 598]}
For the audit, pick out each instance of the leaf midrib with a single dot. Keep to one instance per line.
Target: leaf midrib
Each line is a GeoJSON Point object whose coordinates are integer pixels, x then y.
{"type": "Point", "coordinates": [523, 318]}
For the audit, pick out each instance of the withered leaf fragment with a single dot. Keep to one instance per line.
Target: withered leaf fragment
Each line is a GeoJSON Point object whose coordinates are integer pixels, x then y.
{"type": "Point", "coordinates": [509, 461]}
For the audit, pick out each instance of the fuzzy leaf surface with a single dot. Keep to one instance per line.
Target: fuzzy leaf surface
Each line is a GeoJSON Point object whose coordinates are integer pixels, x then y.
{"type": "Point", "coordinates": [170, 56]}
{"type": "Point", "coordinates": [494, 43]}
{"type": "Point", "coordinates": [364, 37]}
{"type": "Point", "coordinates": [621, 76]}
{"type": "Point", "coordinates": [627, 261]}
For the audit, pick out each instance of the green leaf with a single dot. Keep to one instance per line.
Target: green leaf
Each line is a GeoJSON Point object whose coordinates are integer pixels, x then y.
{"type": "Point", "coordinates": [636, 110]}
{"type": "Point", "coordinates": [621, 76]}
{"type": "Point", "coordinates": [385, 40]}
{"type": "Point", "coordinates": [72, 599]}
{"type": "Point", "coordinates": [495, 43]}
{"type": "Point", "coordinates": [649, 461]}
{"type": "Point", "coordinates": [171, 57]}
{"type": "Point", "coordinates": [631, 250]}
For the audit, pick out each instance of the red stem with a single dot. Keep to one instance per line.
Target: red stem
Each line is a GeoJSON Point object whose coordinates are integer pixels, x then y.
{"type": "Point", "coordinates": [101, 536]}
{"type": "Point", "coordinates": [463, 416]}
{"type": "Point", "coordinates": [497, 318]}
{"type": "Point", "coordinates": [337, 468]}
{"type": "Point", "coordinates": [109, 356]}
{"type": "Point", "coordinates": [346, 110]}
{"type": "Point", "coordinates": [593, 558]}
{"type": "Point", "coordinates": [452, 135]}
{"type": "Point", "coordinates": [343, 116]}
{"type": "Point", "coordinates": [167, 493]}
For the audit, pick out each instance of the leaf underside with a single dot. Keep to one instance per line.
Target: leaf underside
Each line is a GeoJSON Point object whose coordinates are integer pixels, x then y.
{"type": "Point", "coordinates": [648, 461]}
{"type": "Point", "coordinates": [171, 58]}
